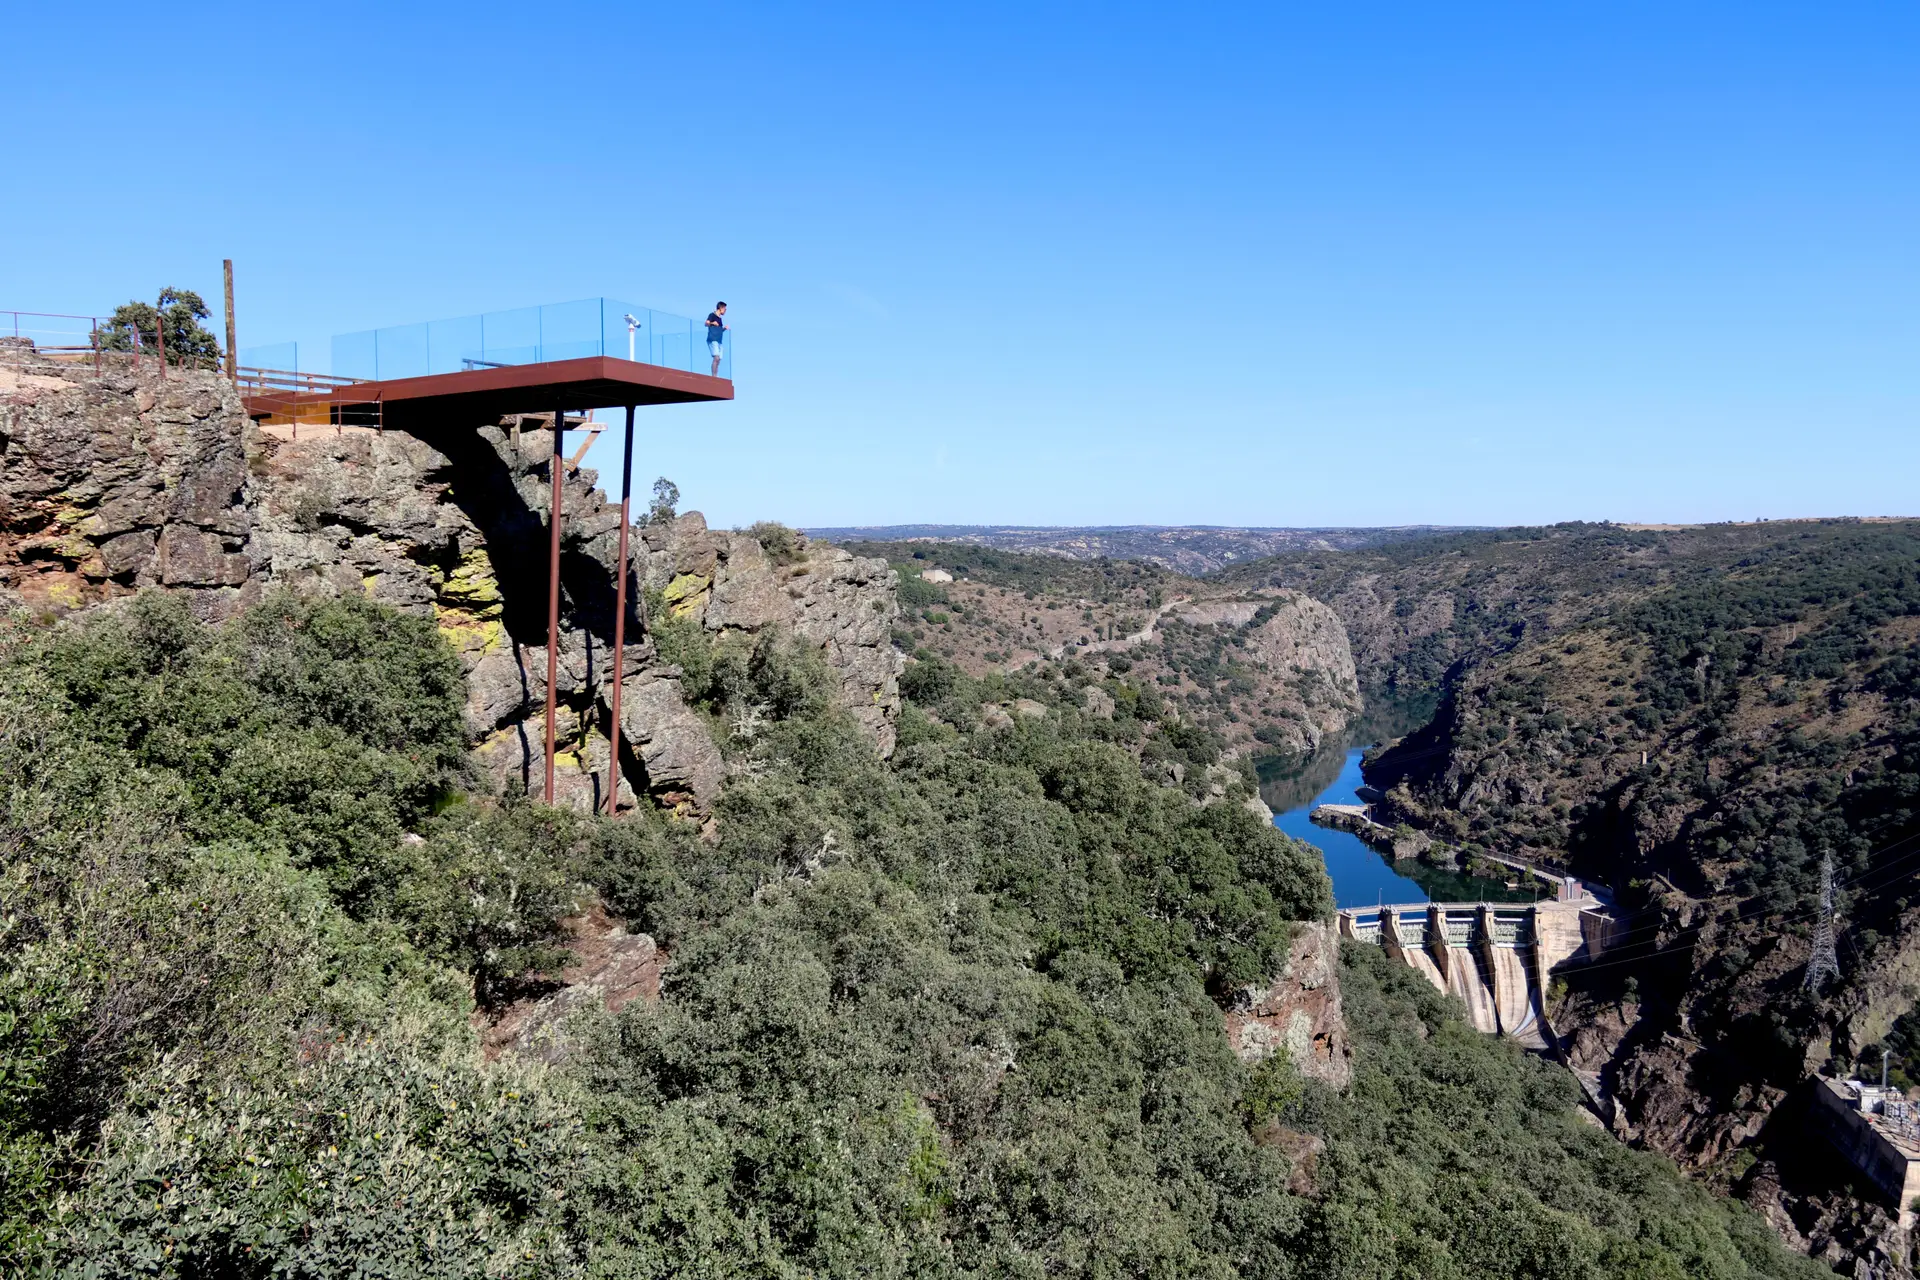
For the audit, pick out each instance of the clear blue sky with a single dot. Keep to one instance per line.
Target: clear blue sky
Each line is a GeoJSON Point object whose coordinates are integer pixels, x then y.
{"type": "Point", "coordinates": [1276, 264]}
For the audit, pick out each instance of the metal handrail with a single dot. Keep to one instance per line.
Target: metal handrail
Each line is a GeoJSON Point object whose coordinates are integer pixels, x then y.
{"type": "Point", "coordinates": [288, 395]}
{"type": "Point", "coordinates": [290, 380]}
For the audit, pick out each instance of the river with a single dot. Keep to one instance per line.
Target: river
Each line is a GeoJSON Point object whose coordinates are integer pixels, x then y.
{"type": "Point", "coordinates": [1361, 876]}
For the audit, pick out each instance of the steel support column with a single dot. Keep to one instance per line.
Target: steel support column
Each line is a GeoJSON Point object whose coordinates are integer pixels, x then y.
{"type": "Point", "coordinates": [557, 478]}
{"type": "Point", "coordinates": [620, 619]}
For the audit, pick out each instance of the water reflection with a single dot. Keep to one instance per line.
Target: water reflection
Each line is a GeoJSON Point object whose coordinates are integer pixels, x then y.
{"type": "Point", "coordinates": [1361, 876]}
{"type": "Point", "coordinates": [1288, 783]}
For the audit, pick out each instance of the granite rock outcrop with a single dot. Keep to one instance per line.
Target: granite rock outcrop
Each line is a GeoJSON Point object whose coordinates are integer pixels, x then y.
{"type": "Point", "coordinates": [1301, 1013]}
{"type": "Point", "coordinates": [1290, 648]}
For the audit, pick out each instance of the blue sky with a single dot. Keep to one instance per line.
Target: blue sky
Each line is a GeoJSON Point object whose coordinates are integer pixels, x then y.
{"type": "Point", "coordinates": [1053, 264]}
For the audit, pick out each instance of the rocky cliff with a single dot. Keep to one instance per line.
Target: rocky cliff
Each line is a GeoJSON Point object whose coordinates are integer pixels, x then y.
{"type": "Point", "coordinates": [1269, 671]}
{"type": "Point", "coordinates": [1284, 655]}
{"type": "Point", "coordinates": [1301, 1013]}
{"type": "Point", "coordinates": [128, 480]}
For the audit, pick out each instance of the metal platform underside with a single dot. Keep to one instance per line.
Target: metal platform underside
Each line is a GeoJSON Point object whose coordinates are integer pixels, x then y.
{"type": "Point", "coordinates": [479, 396]}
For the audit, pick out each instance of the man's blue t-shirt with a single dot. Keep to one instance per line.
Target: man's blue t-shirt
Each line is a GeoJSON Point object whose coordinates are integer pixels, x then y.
{"type": "Point", "coordinates": [715, 326]}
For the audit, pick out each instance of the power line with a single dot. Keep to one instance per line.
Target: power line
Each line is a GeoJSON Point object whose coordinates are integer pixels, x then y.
{"type": "Point", "coordinates": [1660, 952]}
{"type": "Point", "coordinates": [1823, 964]}
{"type": "Point", "coordinates": [1874, 880]}
{"type": "Point", "coordinates": [1738, 916]}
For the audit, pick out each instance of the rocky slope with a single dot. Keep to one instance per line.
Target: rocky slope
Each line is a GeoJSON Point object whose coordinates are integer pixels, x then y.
{"type": "Point", "coordinates": [113, 484]}
{"type": "Point", "coordinates": [1268, 670]}
{"type": "Point", "coordinates": [1418, 612]}
{"type": "Point", "coordinates": [1275, 670]}
{"type": "Point", "coordinates": [1301, 1013]}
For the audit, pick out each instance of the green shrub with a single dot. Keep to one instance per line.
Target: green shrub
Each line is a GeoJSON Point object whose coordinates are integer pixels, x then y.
{"type": "Point", "coordinates": [782, 545]}
{"type": "Point", "coordinates": [171, 322]}
{"type": "Point", "coordinates": [364, 1155]}
{"type": "Point", "coordinates": [488, 889]}
{"type": "Point", "coordinates": [916, 593]}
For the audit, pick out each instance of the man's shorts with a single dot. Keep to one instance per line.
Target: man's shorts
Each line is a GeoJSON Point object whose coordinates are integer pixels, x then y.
{"type": "Point", "coordinates": [715, 348]}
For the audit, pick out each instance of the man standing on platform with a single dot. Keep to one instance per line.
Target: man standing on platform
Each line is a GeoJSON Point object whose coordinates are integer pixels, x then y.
{"type": "Point", "coordinates": [716, 333]}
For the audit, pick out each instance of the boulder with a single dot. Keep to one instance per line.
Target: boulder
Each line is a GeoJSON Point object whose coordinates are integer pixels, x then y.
{"type": "Point", "coordinates": [682, 762]}
{"type": "Point", "coordinates": [188, 557]}
{"type": "Point", "coordinates": [125, 555]}
{"type": "Point", "coordinates": [748, 597]}
{"type": "Point", "coordinates": [1408, 843]}
{"type": "Point", "coordinates": [499, 690]}
{"type": "Point", "coordinates": [608, 968]}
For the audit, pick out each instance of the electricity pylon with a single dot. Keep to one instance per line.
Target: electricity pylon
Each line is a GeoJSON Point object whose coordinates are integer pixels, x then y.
{"type": "Point", "coordinates": [1823, 963]}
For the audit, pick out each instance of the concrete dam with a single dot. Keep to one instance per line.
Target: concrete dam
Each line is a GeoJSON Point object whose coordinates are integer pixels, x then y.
{"type": "Point", "coordinates": [1496, 957]}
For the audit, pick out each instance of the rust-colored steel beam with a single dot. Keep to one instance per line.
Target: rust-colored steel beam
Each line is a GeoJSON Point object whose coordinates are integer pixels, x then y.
{"type": "Point", "coordinates": [620, 619]}
{"type": "Point", "coordinates": [557, 478]}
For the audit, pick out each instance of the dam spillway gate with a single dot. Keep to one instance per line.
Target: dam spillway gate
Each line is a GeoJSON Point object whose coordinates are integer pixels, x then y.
{"type": "Point", "coordinates": [1496, 958]}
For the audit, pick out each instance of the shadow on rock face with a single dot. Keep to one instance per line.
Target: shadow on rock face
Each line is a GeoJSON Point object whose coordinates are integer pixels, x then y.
{"type": "Point", "coordinates": [505, 493]}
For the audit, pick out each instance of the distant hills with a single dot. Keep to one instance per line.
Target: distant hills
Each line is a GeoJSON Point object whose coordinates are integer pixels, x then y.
{"type": "Point", "coordinates": [1190, 549]}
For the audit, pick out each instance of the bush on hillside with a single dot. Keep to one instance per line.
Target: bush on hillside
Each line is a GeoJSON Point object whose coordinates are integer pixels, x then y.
{"type": "Point", "coordinates": [172, 322]}
{"type": "Point", "coordinates": [782, 545]}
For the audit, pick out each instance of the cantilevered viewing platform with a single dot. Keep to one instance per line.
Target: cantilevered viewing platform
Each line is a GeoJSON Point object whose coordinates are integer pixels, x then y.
{"type": "Point", "coordinates": [470, 372]}
{"type": "Point", "coordinates": [573, 356]}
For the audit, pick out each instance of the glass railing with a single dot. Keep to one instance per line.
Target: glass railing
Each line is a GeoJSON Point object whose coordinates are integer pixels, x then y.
{"type": "Point", "coordinates": [531, 335]}
{"type": "Point", "coordinates": [282, 356]}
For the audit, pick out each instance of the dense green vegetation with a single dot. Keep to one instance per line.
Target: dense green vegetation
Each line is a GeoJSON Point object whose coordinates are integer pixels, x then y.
{"type": "Point", "coordinates": [1745, 681]}
{"type": "Point", "coordinates": [1805, 617]}
{"type": "Point", "coordinates": [1455, 1154]}
{"type": "Point", "coordinates": [1102, 580]}
{"type": "Point", "coordinates": [953, 1013]}
{"type": "Point", "coordinates": [1424, 610]}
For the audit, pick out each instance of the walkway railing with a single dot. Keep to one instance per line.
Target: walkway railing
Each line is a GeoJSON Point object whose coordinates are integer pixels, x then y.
{"type": "Point", "coordinates": [76, 339]}
{"type": "Point", "coordinates": [531, 335]}
{"type": "Point", "coordinates": [284, 397]}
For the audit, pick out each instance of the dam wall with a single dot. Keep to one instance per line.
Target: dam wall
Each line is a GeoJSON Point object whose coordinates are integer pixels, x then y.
{"type": "Point", "coordinates": [1497, 958]}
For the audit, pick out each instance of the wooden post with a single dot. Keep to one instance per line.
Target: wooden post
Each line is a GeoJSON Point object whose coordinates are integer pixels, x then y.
{"type": "Point", "coordinates": [620, 619]}
{"type": "Point", "coordinates": [557, 477]}
{"type": "Point", "coordinates": [160, 337]}
{"type": "Point", "coordinates": [233, 352]}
